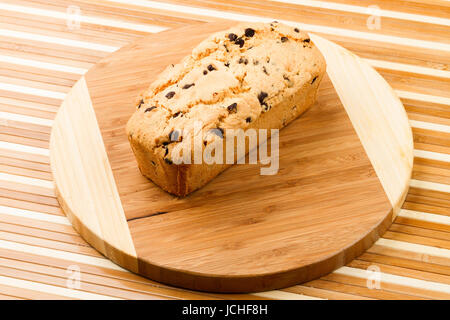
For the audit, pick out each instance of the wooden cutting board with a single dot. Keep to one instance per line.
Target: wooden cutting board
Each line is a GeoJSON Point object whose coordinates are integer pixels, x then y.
{"type": "Point", "coordinates": [345, 167]}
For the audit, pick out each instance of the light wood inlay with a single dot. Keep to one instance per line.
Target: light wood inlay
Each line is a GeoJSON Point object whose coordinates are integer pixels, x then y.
{"type": "Point", "coordinates": [377, 115]}
{"type": "Point", "coordinates": [87, 190]}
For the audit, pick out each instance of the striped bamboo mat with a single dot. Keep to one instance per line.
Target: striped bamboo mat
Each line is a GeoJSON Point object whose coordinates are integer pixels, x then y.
{"type": "Point", "coordinates": [46, 45]}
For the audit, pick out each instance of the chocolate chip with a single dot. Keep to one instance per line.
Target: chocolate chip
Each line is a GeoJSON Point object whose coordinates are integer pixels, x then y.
{"type": "Point", "coordinates": [165, 143]}
{"type": "Point", "coordinates": [226, 64]}
{"type": "Point", "coordinates": [307, 40]}
{"type": "Point", "coordinates": [265, 70]}
{"type": "Point", "coordinates": [221, 131]}
{"type": "Point", "coordinates": [170, 95]}
{"type": "Point", "coordinates": [314, 80]}
{"type": "Point", "coordinates": [232, 108]}
{"type": "Point", "coordinates": [174, 135]}
{"type": "Point", "coordinates": [211, 68]}
{"type": "Point", "coordinates": [205, 72]}
{"type": "Point", "coordinates": [168, 161]}
{"type": "Point", "coordinates": [261, 96]}
{"type": "Point", "coordinates": [284, 39]}
{"type": "Point", "coordinates": [249, 32]}
{"type": "Point", "coordinates": [243, 60]}
{"type": "Point", "coordinates": [141, 103]}
{"type": "Point", "coordinates": [248, 120]}
{"type": "Point", "coordinates": [187, 86]}
{"type": "Point", "coordinates": [149, 109]}
{"type": "Point", "coordinates": [296, 30]}
{"type": "Point", "coordinates": [218, 132]}
{"type": "Point", "coordinates": [240, 42]}
{"type": "Point", "coordinates": [176, 114]}
{"type": "Point", "coordinates": [232, 37]}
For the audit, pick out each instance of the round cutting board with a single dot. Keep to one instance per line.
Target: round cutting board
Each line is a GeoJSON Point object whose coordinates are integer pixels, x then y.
{"type": "Point", "coordinates": [344, 170]}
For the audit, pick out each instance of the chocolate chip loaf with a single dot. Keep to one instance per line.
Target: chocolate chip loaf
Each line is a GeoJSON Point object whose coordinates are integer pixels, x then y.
{"type": "Point", "coordinates": [259, 76]}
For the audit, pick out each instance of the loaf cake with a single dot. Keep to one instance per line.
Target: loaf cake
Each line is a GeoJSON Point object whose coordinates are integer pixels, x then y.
{"type": "Point", "coordinates": [252, 76]}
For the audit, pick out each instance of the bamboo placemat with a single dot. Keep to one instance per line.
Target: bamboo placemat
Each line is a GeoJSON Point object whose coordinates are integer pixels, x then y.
{"type": "Point", "coordinates": [45, 46]}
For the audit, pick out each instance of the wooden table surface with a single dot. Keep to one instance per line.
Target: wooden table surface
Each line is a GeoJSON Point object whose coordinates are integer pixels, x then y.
{"type": "Point", "coordinates": [45, 46]}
